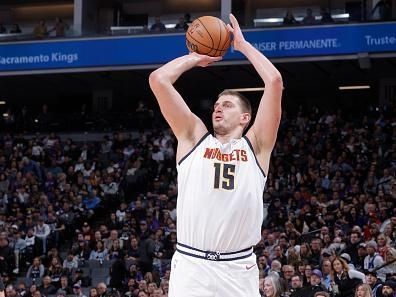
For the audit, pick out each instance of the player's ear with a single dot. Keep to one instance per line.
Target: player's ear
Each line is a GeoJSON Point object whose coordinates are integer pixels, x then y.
{"type": "Point", "coordinates": [245, 118]}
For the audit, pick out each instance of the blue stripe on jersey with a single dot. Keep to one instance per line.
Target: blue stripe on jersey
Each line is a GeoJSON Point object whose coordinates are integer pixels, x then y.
{"type": "Point", "coordinates": [195, 146]}
{"type": "Point", "coordinates": [251, 147]}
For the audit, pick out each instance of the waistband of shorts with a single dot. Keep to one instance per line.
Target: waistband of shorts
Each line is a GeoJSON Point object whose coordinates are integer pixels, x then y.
{"type": "Point", "coordinates": [213, 255]}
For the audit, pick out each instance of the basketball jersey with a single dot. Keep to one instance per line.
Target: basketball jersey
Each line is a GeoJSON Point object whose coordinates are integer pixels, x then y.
{"type": "Point", "coordinates": [220, 189]}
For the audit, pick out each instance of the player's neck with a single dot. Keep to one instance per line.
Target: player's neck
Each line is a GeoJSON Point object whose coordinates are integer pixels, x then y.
{"type": "Point", "coordinates": [226, 138]}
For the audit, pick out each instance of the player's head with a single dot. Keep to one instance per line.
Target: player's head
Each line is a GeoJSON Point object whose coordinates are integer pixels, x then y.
{"type": "Point", "coordinates": [231, 111]}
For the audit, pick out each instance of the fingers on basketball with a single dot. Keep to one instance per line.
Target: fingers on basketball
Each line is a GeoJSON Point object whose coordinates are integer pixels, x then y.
{"type": "Point", "coordinates": [208, 35]}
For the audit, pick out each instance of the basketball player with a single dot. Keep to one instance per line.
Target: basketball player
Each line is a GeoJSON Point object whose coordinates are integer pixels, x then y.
{"type": "Point", "coordinates": [221, 178]}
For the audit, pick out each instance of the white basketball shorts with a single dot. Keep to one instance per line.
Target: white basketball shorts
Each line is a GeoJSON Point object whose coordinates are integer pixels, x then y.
{"type": "Point", "coordinates": [194, 277]}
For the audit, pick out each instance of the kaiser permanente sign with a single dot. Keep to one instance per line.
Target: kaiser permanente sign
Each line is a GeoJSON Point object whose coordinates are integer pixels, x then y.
{"type": "Point", "coordinates": [143, 51]}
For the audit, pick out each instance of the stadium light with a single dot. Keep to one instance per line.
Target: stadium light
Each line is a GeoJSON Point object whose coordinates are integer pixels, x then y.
{"type": "Point", "coordinates": [2, 102]}
{"type": "Point", "coordinates": [5, 115]}
{"type": "Point", "coordinates": [361, 87]}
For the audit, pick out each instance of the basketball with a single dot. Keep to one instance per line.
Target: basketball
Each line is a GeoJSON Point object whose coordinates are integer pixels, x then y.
{"type": "Point", "coordinates": [208, 35]}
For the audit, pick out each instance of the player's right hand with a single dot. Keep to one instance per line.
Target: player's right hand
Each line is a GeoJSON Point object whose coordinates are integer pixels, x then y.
{"type": "Point", "coordinates": [204, 60]}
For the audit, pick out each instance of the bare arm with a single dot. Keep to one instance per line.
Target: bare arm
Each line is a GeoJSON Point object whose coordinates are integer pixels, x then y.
{"type": "Point", "coordinates": [264, 130]}
{"type": "Point", "coordinates": [185, 125]}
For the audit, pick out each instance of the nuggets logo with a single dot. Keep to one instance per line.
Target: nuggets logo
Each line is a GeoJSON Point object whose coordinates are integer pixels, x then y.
{"type": "Point", "coordinates": [235, 155]}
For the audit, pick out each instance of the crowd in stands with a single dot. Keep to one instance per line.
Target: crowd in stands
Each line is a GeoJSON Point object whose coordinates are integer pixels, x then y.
{"type": "Point", "coordinates": [99, 218]}
{"type": "Point", "coordinates": [40, 30]}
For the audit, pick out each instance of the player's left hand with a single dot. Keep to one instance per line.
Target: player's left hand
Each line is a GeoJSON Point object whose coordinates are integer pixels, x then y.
{"type": "Point", "coordinates": [234, 28]}
{"type": "Point", "coordinates": [204, 60]}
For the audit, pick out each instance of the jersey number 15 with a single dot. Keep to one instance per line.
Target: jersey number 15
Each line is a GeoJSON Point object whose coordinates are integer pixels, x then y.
{"type": "Point", "coordinates": [224, 176]}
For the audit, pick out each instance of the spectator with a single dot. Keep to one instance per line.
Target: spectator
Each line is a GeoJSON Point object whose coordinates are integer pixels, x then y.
{"type": "Point", "coordinates": [36, 270]}
{"type": "Point", "coordinates": [15, 29]}
{"type": "Point", "coordinates": [93, 292]}
{"type": "Point", "coordinates": [70, 263]}
{"type": "Point", "coordinates": [315, 284]}
{"type": "Point", "coordinates": [102, 290]}
{"type": "Point", "coordinates": [64, 285]}
{"type": "Point", "coordinates": [389, 289]}
{"type": "Point", "coordinates": [40, 31]}
{"type": "Point", "coordinates": [181, 25]}
{"type": "Point", "coordinates": [326, 16]}
{"type": "Point", "coordinates": [272, 286]}
{"type": "Point", "coordinates": [309, 19]}
{"type": "Point", "coordinates": [297, 286]}
{"type": "Point", "coordinates": [158, 26]}
{"type": "Point", "coordinates": [374, 283]}
{"type": "Point", "coordinates": [60, 27]}
{"type": "Point", "coordinates": [77, 291]}
{"type": "Point", "coordinates": [41, 232]}
{"type": "Point", "coordinates": [19, 247]}
{"type": "Point", "coordinates": [345, 279]}
{"type": "Point", "coordinates": [390, 260]}
{"type": "Point", "coordinates": [99, 253]}
{"type": "Point", "coordinates": [373, 260]}
{"type": "Point", "coordinates": [289, 18]}
{"type": "Point", "coordinates": [326, 270]}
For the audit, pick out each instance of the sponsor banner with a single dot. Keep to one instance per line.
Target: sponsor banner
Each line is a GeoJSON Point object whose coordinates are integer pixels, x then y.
{"type": "Point", "coordinates": [158, 49]}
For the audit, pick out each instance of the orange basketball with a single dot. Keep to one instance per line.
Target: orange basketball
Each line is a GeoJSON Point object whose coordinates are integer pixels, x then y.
{"type": "Point", "coordinates": [208, 35]}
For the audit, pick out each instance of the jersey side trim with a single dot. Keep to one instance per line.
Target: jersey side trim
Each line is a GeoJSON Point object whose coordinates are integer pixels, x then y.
{"type": "Point", "coordinates": [255, 157]}
{"type": "Point", "coordinates": [195, 146]}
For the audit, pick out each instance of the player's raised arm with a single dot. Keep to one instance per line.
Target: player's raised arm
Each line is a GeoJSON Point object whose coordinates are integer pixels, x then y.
{"type": "Point", "coordinates": [264, 130]}
{"type": "Point", "coordinates": [184, 124]}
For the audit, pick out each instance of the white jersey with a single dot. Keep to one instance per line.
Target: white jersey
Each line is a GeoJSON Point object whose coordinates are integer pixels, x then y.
{"type": "Point", "coordinates": [220, 189]}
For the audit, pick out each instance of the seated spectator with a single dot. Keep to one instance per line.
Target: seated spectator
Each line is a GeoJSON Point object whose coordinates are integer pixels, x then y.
{"type": "Point", "coordinates": [42, 231]}
{"type": "Point", "coordinates": [389, 289]}
{"type": "Point", "coordinates": [309, 19]}
{"type": "Point", "coordinates": [115, 251]}
{"type": "Point", "coordinates": [92, 201]}
{"type": "Point", "coordinates": [390, 258]}
{"type": "Point", "coordinates": [373, 260]}
{"type": "Point", "coordinates": [345, 279]}
{"type": "Point", "coordinates": [55, 271]}
{"type": "Point", "coordinates": [296, 286]}
{"type": "Point", "coordinates": [99, 253]}
{"type": "Point", "coordinates": [374, 283]}
{"type": "Point", "coordinates": [19, 247]}
{"type": "Point", "coordinates": [47, 288]}
{"type": "Point", "coordinates": [64, 285]}
{"type": "Point", "coordinates": [79, 278]}
{"type": "Point", "coordinates": [289, 18]}
{"type": "Point", "coordinates": [36, 270]}
{"type": "Point", "coordinates": [363, 290]}
{"type": "Point", "coordinates": [326, 16]}
{"type": "Point", "coordinates": [77, 291]}
{"type": "Point", "coordinates": [93, 292]}
{"type": "Point", "coordinates": [40, 30]}
{"type": "Point", "coordinates": [70, 263]}
{"type": "Point", "coordinates": [15, 29]}
{"type": "Point", "coordinates": [60, 27]}
{"type": "Point", "coordinates": [158, 26]}
{"type": "Point", "coordinates": [272, 286]}
{"type": "Point", "coordinates": [181, 25]}
{"type": "Point", "coordinates": [315, 284]}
